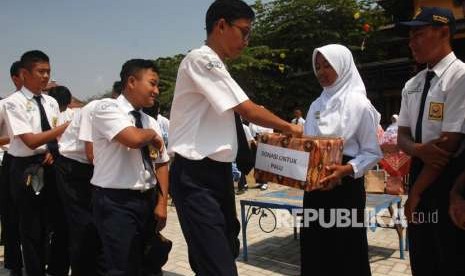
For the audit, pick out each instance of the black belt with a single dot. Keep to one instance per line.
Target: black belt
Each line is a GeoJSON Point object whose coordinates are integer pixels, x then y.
{"type": "Point", "coordinates": [38, 158]}
{"type": "Point", "coordinates": [125, 191]}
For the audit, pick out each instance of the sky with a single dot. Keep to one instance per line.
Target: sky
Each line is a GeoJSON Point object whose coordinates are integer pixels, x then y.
{"type": "Point", "coordinates": [89, 40]}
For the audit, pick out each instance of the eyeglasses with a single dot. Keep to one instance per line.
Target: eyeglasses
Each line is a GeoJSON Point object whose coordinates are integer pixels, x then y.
{"type": "Point", "coordinates": [246, 32]}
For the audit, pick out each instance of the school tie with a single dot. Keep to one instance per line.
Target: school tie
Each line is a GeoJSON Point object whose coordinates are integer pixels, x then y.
{"type": "Point", "coordinates": [145, 149]}
{"type": "Point", "coordinates": [417, 165]}
{"type": "Point", "coordinates": [418, 128]}
{"type": "Point", "coordinates": [244, 158]}
{"type": "Point", "coordinates": [52, 146]}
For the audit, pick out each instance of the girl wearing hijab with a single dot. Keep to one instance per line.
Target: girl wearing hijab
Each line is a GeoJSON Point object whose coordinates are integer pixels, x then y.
{"type": "Point", "coordinates": [342, 110]}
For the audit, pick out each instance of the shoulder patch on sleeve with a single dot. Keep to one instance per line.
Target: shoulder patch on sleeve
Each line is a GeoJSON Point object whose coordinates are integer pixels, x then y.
{"type": "Point", "coordinates": [10, 106]}
{"type": "Point", "coordinates": [211, 62]}
{"type": "Point", "coordinates": [107, 105]}
{"type": "Point", "coordinates": [214, 64]}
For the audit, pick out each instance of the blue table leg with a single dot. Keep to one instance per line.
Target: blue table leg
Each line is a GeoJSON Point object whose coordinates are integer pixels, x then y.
{"type": "Point", "coordinates": [401, 231]}
{"type": "Point", "coordinates": [244, 232]}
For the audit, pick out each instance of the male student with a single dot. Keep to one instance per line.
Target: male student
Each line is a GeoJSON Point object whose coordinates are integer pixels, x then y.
{"type": "Point", "coordinates": [129, 197]}
{"type": "Point", "coordinates": [73, 173]}
{"type": "Point", "coordinates": [64, 98]}
{"type": "Point", "coordinates": [31, 117]}
{"type": "Point", "coordinates": [431, 127]}
{"type": "Point", "coordinates": [204, 126]}
{"type": "Point", "coordinates": [9, 218]}
{"type": "Point", "coordinates": [298, 120]}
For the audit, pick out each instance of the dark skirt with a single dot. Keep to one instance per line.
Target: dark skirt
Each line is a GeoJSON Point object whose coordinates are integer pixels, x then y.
{"type": "Point", "coordinates": [330, 249]}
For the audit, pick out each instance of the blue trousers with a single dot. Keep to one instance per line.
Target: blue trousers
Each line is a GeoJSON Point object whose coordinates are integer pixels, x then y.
{"type": "Point", "coordinates": [203, 194]}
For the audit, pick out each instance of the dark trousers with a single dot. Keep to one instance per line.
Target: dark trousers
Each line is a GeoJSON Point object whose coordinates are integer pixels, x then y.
{"type": "Point", "coordinates": [58, 263]}
{"type": "Point", "coordinates": [333, 251]}
{"type": "Point", "coordinates": [42, 226]}
{"type": "Point", "coordinates": [203, 193]}
{"type": "Point", "coordinates": [241, 185]}
{"type": "Point", "coordinates": [9, 219]}
{"type": "Point", "coordinates": [74, 188]}
{"type": "Point", "coordinates": [31, 210]}
{"type": "Point", "coordinates": [436, 245]}
{"type": "Point", "coordinates": [125, 222]}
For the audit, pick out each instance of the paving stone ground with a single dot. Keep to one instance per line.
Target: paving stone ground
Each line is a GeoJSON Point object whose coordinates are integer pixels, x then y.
{"type": "Point", "coordinates": [277, 253]}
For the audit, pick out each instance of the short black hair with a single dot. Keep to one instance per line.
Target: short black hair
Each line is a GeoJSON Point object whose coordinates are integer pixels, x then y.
{"type": "Point", "coordinates": [117, 88]}
{"type": "Point", "coordinates": [29, 58]}
{"type": "Point", "coordinates": [61, 94]}
{"type": "Point", "coordinates": [230, 10]}
{"type": "Point", "coordinates": [15, 68]}
{"type": "Point", "coordinates": [133, 67]}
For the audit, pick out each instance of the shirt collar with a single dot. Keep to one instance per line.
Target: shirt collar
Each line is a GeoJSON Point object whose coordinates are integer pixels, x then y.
{"type": "Point", "coordinates": [125, 104]}
{"type": "Point", "coordinates": [207, 48]}
{"type": "Point", "coordinates": [28, 94]}
{"type": "Point", "coordinates": [444, 64]}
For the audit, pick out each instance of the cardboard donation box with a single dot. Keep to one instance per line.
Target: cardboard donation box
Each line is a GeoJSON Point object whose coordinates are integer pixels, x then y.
{"type": "Point", "coordinates": [296, 162]}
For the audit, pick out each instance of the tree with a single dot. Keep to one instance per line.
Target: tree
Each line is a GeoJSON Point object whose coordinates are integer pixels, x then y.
{"type": "Point", "coordinates": [398, 10]}
{"type": "Point", "coordinates": [280, 75]}
{"type": "Point", "coordinates": [168, 67]}
{"type": "Point", "coordinates": [276, 70]}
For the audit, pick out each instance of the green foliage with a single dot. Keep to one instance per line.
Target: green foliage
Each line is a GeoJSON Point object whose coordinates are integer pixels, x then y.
{"type": "Point", "coordinates": [276, 69]}
{"type": "Point", "coordinates": [168, 67]}
{"type": "Point", "coordinates": [399, 10]}
{"type": "Point", "coordinates": [294, 28]}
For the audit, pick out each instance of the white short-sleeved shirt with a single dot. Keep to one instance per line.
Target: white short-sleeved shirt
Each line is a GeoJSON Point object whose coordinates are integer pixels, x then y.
{"type": "Point", "coordinates": [3, 125]}
{"type": "Point", "coordinates": [67, 115]}
{"type": "Point", "coordinates": [445, 103]}
{"type": "Point", "coordinates": [202, 120]}
{"type": "Point", "coordinates": [256, 130]}
{"type": "Point", "coordinates": [3, 130]}
{"type": "Point", "coordinates": [85, 128]}
{"type": "Point", "coordinates": [299, 121]}
{"type": "Point", "coordinates": [248, 134]}
{"type": "Point", "coordinates": [23, 116]}
{"type": "Point", "coordinates": [164, 123]}
{"type": "Point", "coordinates": [72, 142]}
{"type": "Point", "coordinates": [115, 165]}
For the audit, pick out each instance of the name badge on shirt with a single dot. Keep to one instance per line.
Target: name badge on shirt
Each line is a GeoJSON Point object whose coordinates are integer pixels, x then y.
{"type": "Point", "coordinates": [317, 115]}
{"type": "Point", "coordinates": [436, 111]}
{"type": "Point", "coordinates": [29, 106]}
{"type": "Point", "coordinates": [416, 89]}
{"type": "Point", "coordinates": [153, 152]}
{"type": "Point", "coordinates": [54, 121]}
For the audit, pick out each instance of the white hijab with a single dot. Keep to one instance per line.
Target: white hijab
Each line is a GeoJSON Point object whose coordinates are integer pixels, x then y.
{"type": "Point", "coordinates": [337, 115]}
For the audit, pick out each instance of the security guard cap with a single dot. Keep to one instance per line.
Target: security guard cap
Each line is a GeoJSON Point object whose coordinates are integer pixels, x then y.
{"type": "Point", "coordinates": [432, 16]}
